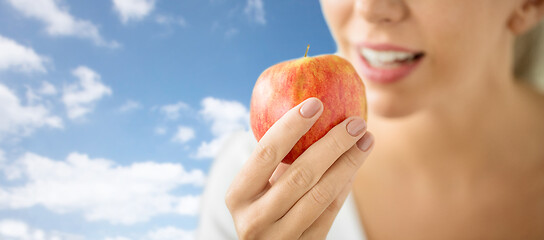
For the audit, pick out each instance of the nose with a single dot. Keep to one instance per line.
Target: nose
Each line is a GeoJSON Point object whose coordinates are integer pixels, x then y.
{"type": "Point", "coordinates": [381, 11]}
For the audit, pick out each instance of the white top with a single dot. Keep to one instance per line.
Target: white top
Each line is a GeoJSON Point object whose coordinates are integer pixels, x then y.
{"type": "Point", "coordinates": [215, 220]}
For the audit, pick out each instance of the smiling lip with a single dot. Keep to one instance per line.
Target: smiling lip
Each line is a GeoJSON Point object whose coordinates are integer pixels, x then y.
{"type": "Point", "coordinates": [390, 75]}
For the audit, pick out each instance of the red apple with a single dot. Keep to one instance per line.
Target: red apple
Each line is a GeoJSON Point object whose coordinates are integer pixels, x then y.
{"type": "Point", "coordinates": [330, 78]}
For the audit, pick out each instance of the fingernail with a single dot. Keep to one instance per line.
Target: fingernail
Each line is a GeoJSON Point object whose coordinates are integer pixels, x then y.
{"type": "Point", "coordinates": [310, 107]}
{"type": "Point", "coordinates": [356, 127]}
{"type": "Point", "coordinates": [365, 142]}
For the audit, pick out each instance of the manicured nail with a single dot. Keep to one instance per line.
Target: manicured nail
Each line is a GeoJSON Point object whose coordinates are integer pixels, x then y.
{"type": "Point", "coordinates": [356, 127]}
{"type": "Point", "coordinates": [365, 142]}
{"type": "Point", "coordinates": [310, 107]}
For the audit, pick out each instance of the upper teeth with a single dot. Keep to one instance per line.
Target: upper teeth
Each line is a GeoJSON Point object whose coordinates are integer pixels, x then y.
{"type": "Point", "coordinates": [374, 56]}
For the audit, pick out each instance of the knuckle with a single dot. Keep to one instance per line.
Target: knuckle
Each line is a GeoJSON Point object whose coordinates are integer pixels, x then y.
{"type": "Point", "coordinates": [300, 178]}
{"type": "Point", "coordinates": [289, 125]}
{"type": "Point", "coordinates": [250, 226]}
{"type": "Point", "coordinates": [336, 144]}
{"type": "Point", "coordinates": [334, 206]}
{"type": "Point", "coordinates": [351, 160]}
{"type": "Point", "coordinates": [322, 194]}
{"type": "Point", "coordinates": [247, 232]}
{"type": "Point", "coordinates": [230, 199]}
{"type": "Point", "coordinates": [264, 154]}
{"type": "Point", "coordinates": [304, 237]}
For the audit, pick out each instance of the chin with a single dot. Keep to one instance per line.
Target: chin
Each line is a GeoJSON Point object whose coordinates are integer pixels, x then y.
{"type": "Point", "coordinates": [391, 107]}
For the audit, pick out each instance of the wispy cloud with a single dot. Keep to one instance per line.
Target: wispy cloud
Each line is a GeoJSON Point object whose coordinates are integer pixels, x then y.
{"type": "Point", "coordinates": [160, 130]}
{"type": "Point", "coordinates": [133, 10]}
{"type": "Point", "coordinates": [47, 89]}
{"type": "Point", "coordinates": [14, 56]}
{"type": "Point", "coordinates": [255, 11]}
{"type": "Point", "coordinates": [101, 189]}
{"type": "Point", "coordinates": [20, 120]}
{"type": "Point", "coordinates": [36, 96]}
{"type": "Point", "coordinates": [80, 97]}
{"type": "Point", "coordinates": [59, 22]}
{"type": "Point", "coordinates": [169, 24]}
{"type": "Point", "coordinates": [130, 105]}
{"type": "Point", "coordinates": [2, 157]}
{"type": "Point", "coordinates": [170, 20]}
{"type": "Point", "coordinates": [173, 111]}
{"type": "Point", "coordinates": [231, 32]}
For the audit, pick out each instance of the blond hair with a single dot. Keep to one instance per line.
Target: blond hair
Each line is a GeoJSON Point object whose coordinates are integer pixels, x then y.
{"type": "Point", "coordinates": [529, 56]}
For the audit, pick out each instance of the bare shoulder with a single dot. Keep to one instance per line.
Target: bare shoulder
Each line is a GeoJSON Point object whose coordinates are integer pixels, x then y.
{"type": "Point", "coordinates": [538, 107]}
{"type": "Point", "coordinates": [537, 122]}
{"type": "Point", "coordinates": [530, 121]}
{"type": "Point", "coordinates": [533, 103]}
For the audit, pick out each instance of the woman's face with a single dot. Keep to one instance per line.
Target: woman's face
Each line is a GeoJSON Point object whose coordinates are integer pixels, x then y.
{"type": "Point", "coordinates": [420, 54]}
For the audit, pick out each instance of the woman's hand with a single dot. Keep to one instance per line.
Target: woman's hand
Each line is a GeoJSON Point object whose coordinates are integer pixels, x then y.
{"type": "Point", "coordinates": [269, 200]}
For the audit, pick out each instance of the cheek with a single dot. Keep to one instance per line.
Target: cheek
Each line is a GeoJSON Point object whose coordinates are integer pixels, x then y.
{"type": "Point", "coordinates": [337, 13]}
{"type": "Point", "coordinates": [443, 30]}
{"type": "Point", "coordinates": [456, 37]}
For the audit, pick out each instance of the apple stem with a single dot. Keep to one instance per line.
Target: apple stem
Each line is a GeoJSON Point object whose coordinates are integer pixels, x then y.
{"type": "Point", "coordinates": [307, 48]}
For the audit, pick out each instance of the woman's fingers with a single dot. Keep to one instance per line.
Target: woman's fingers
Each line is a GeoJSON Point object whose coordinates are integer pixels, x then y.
{"type": "Point", "coordinates": [270, 199]}
{"type": "Point", "coordinates": [322, 225]}
{"type": "Point", "coordinates": [280, 170]}
{"type": "Point", "coordinates": [306, 171]}
{"type": "Point", "coordinates": [272, 148]}
{"type": "Point", "coordinates": [308, 208]}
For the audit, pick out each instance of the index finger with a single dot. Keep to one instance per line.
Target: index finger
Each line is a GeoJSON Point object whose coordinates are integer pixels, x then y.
{"type": "Point", "coordinates": [274, 146]}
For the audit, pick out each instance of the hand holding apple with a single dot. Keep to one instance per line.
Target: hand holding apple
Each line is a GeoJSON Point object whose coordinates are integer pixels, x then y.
{"type": "Point", "coordinates": [329, 78]}
{"type": "Point", "coordinates": [303, 199]}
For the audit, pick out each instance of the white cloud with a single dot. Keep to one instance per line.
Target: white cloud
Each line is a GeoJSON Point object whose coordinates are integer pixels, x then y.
{"type": "Point", "coordinates": [14, 229]}
{"type": "Point", "coordinates": [226, 117]}
{"type": "Point", "coordinates": [14, 56]}
{"type": "Point", "coordinates": [58, 21]}
{"type": "Point", "coordinates": [172, 111]}
{"type": "Point", "coordinates": [211, 148]}
{"type": "Point", "coordinates": [10, 172]}
{"type": "Point", "coordinates": [47, 89]}
{"type": "Point", "coordinates": [231, 32]}
{"type": "Point", "coordinates": [2, 157]}
{"type": "Point", "coordinates": [188, 205]}
{"type": "Point", "coordinates": [170, 233]}
{"type": "Point", "coordinates": [31, 97]}
{"type": "Point", "coordinates": [37, 95]}
{"type": "Point", "coordinates": [160, 130]}
{"type": "Point", "coordinates": [130, 105]}
{"type": "Point", "coordinates": [133, 10]}
{"type": "Point", "coordinates": [101, 189]}
{"type": "Point", "coordinates": [255, 11]}
{"type": "Point", "coordinates": [21, 120]}
{"type": "Point", "coordinates": [184, 134]}
{"type": "Point", "coordinates": [169, 20]}
{"type": "Point", "coordinates": [164, 233]}
{"type": "Point", "coordinates": [117, 238]}
{"type": "Point", "coordinates": [11, 229]}
{"type": "Point", "coordinates": [79, 98]}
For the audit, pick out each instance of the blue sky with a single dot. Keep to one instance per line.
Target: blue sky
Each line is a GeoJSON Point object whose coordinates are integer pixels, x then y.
{"type": "Point", "coordinates": [111, 110]}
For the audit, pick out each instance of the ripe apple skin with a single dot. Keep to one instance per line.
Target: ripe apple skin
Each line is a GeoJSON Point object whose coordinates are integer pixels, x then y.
{"type": "Point", "coordinates": [330, 78]}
